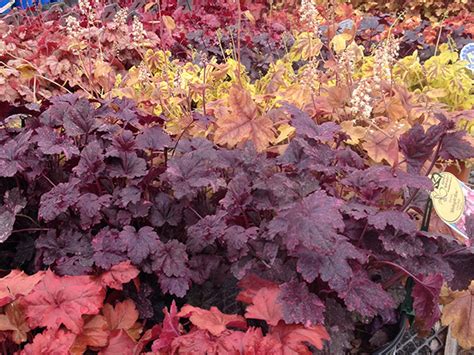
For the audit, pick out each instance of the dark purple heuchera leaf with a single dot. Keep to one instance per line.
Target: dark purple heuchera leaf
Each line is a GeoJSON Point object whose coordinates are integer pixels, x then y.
{"type": "Point", "coordinates": [236, 239]}
{"type": "Point", "coordinates": [462, 263]}
{"type": "Point", "coordinates": [153, 138]}
{"type": "Point", "coordinates": [299, 305]}
{"type": "Point", "coordinates": [400, 221]}
{"type": "Point", "coordinates": [358, 210]}
{"type": "Point", "coordinates": [418, 146]}
{"type": "Point", "coordinates": [313, 223]}
{"type": "Point", "coordinates": [333, 268]}
{"type": "Point", "coordinates": [202, 266]}
{"type": "Point", "coordinates": [127, 195]}
{"type": "Point", "coordinates": [205, 232]}
{"type": "Point", "coordinates": [454, 146]}
{"type": "Point", "coordinates": [177, 286]}
{"type": "Point", "coordinates": [91, 164]}
{"type": "Point", "coordinates": [68, 251]}
{"type": "Point", "coordinates": [340, 325]}
{"type": "Point", "coordinates": [306, 127]}
{"type": "Point", "coordinates": [380, 177]}
{"type": "Point", "coordinates": [127, 165]}
{"type": "Point", "coordinates": [13, 203]}
{"type": "Point", "coordinates": [12, 153]}
{"type": "Point", "coordinates": [426, 300]}
{"type": "Point", "coordinates": [171, 260]}
{"type": "Point", "coordinates": [89, 206]}
{"type": "Point", "coordinates": [190, 172]}
{"type": "Point", "coordinates": [365, 296]}
{"type": "Point", "coordinates": [76, 114]}
{"type": "Point", "coordinates": [165, 210]}
{"type": "Point", "coordinates": [109, 248]}
{"type": "Point", "coordinates": [238, 194]}
{"type": "Point", "coordinates": [141, 244]}
{"type": "Point", "coordinates": [58, 200]}
{"type": "Point", "coordinates": [405, 245]}
{"type": "Point", "coordinates": [122, 143]}
{"type": "Point", "coordinates": [51, 142]}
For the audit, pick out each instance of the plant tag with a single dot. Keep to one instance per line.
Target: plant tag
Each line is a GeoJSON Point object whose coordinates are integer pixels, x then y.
{"type": "Point", "coordinates": [452, 200]}
{"type": "Point", "coordinates": [467, 54]}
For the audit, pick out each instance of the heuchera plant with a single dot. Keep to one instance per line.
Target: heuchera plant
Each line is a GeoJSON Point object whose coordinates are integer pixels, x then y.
{"type": "Point", "coordinates": [100, 195]}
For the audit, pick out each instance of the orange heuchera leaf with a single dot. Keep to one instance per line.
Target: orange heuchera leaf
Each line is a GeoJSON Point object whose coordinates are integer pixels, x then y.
{"type": "Point", "coordinates": [51, 342]}
{"type": "Point", "coordinates": [95, 333]}
{"type": "Point", "coordinates": [293, 337]}
{"type": "Point", "coordinates": [123, 316]}
{"type": "Point", "coordinates": [265, 306]}
{"type": "Point", "coordinates": [119, 343]}
{"type": "Point", "coordinates": [250, 285]}
{"type": "Point", "coordinates": [213, 320]}
{"type": "Point", "coordinates": [459, 315]}
{"type": "Point", "coordinates": [380, 146]}
{"type": "Point", "coordinates": [14, 320]}
{"type": "Point", "coordinates": [17, 283]}
{"type": "Point", "coordinates": [63, 300]}
{"type": "Point", "coordinates": [118, 275]}
{"type": "Point", "coordinates": [243, 122]}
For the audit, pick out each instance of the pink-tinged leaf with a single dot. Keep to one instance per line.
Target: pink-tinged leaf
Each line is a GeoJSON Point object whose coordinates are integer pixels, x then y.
{"type": "Point", "coordinates": [118, 275]}
{"type": "Point", "coordinates": [51, 342]}
{"type": "Point", "coordinates": [265, 306]}
{"type": "Point", "coordinates": [250, 285]}
{"type": "Point", "coordinates": [170, 329]}
{"type": "Point", "coordinates": [293, 337]}
{"type": "Point", "coordinates": [426, 300]}
{"type": "Point", "coordinates": [213, 320]}
{"type": "Point", "coordinates": [195, 342]}
{"type": "Point", "coordinates": [17, 283]}
{"type": "Point", "coordinates": [119, 343]}
{"type": "Point", "coordinates": [148, 336]}
{"type": "Point", "coordinates": [63, 300]}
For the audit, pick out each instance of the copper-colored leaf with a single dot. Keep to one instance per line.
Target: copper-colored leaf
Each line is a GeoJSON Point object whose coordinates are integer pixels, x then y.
{"type": "Point", "coordinates": [213, 320]}
{"type": "Point", "coordinates": [294, 337]}
{"type": "Point", "coordinates": [14, 320]}
{"type": "Point", "coordinates": [459, 315]}
{"type": "Point", "coordinates": [95, 333]}
{"type": "Point", "coordinates": [243, 122]}
{"type": "Point", "coordinates": [265, 306]}
{"type": "Point", "coordinates": [123, 316]}
{"type": "Point", "coordinates": [380, 147]}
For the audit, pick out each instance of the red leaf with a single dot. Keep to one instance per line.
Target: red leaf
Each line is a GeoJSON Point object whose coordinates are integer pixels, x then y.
{"type": "Point", "coordinates": [50, 342]}
{"type": "Point", "coordinates": [119, 343]}
{"type": "Point", "coordinates": [265, 306]}
{"type": "Point", "coordinates": [63, 300]}
{"type": "Point", "coordinates": [213, 320]}
{"type": "Point", "coordinates": [149, 335]}
{"type": "Point", "coordinates": [171, 329]}
{"type": "Point", "coordinates": [294, 336]}
{"type": "Point", "coordinates": [118, 275]}
{"type": "Point", "coordinates": [250, 284]}
{"type": "Point", "coordinates": [17, 283]}
{"type": "Point", "coordinates": [426, 300]}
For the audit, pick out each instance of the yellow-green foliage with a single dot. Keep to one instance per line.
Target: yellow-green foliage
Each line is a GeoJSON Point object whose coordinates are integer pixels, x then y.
{"type": "Point", "coordinates": [443, 78]}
